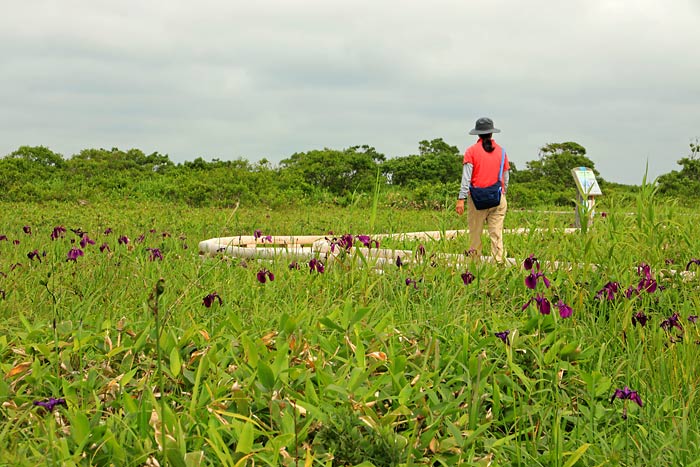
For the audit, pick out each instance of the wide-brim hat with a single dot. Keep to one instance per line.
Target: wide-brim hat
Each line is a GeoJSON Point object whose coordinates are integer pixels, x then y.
{"type": "Point", "coordinates": [484, 126]}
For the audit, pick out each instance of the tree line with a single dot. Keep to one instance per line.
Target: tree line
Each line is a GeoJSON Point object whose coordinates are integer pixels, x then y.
{"type": "Point", "coordinates": [425, 179]}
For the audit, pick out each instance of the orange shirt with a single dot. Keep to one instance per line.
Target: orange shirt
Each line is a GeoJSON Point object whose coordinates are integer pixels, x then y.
{"type": "Point", "coordinates": [486, 164]}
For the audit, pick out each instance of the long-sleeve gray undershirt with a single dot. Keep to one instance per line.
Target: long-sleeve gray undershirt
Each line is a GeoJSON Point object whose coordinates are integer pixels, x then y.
{"type": "Point", "coordinates": [467, 180]}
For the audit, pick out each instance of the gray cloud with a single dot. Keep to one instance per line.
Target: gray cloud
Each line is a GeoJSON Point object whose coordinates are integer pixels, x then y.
{"type": "Point", "coordinates": [267, 79]}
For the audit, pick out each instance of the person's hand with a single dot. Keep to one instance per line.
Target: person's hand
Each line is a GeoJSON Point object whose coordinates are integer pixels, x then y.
{"type": "Point", "coordinates": [460, 206]}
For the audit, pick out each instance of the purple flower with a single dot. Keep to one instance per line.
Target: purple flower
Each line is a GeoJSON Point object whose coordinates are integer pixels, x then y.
{"type": "Point", "coordinates": [166, 234]}
{"type": "Point", "coordinates": [104, 247]}
{"type": "Point", "coordinates": [208, 300]}
{"type": "Point", "coordinates": [531, 280]}
{"type": "Point", "coordinates": [641, 318]}
{"type": "Point", "coordinates": [263, 275]}
{"type": "Point", "coordinates": [565, 310]}
{"type": "Point", "coordinates": [108, 230]}
{"type": "Point", "coordinates": [367, 241]}
{"type": "Point", "coordinates": [257, 234]}
{"type": "Point", "coordinates": [627, 394]}
{"type": "Point", "coordinates": [693, 318]}
{"type": "Point", "coordinates": [155, 254]}
{"type": "Point", "coordinates": [672, 321]}
{"type": "Point", "coordinates": [413, 282]}
{"type": "Point", "coordinates": [294, 265]}
{"type": "Point", "coordinates": [74, 254]}
{"type": "Point", "coordinates": [58, 232]}
{"type": "Point", "coordinates": [316, 265]}
{"type": "Point", "coordinates": [531, 261]}
{"type": "Point", "coordinates": [603, 214]}
{"type": "Point", "coordinates": [85, 240]}
{"type": "Point", "coordinates": [27, 230]}
{"type": "Point", "coordinates": [420, 250]}
{"type": "Point", "coordinates": [50, 403]}
{"type": "Point", "coordinates": [399, 263]}
{"type": "Point", "coordinates": [542, 302]}
{"type": "Point", "coordinates": [3, 237]}
{"type": "Point", "coordinates": [15, 242]}
{"type": "Point", "coordinates": [608, 291]}
{"type": "Point", "coordinates": [140, 238]}
{"type": "Point", "coordinates": [34, 254]}
{"type": "Point", "coordinates": [503, 335]}
{"type": "Point", "coordinates": [467, 277]}
{"type": "Point", "coordinates": [692, 261]}
{"type": "Point", "coordinates": [123, 240]}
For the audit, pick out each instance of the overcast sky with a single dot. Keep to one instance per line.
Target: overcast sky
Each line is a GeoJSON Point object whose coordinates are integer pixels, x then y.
{"type": "Point", "coordinates": [269, 78]}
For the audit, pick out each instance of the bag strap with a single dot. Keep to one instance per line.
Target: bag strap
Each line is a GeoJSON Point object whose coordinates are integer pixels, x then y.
{"type": "Point", "coordinates": [503, 160]}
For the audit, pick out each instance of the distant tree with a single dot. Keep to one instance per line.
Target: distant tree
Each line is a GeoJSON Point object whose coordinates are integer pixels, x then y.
{"type": "Point", "coordinates": [436, 162]}
{"type": "Point", "coordinates": [685, 182]}
{"type": "Point", "coordinates": [38, 154]}
{"type": "Point", "coordinates": [340, 172]}
{"type": "Point", "coordinates": [554, 165]}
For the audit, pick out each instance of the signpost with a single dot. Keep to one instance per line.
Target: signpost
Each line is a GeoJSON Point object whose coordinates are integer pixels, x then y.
{"type": "Point", "coordinates": [587, 189]}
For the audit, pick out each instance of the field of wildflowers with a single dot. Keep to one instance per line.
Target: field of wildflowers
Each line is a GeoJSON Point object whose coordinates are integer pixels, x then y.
{"type": "Point", "coordinates": [120, 345]}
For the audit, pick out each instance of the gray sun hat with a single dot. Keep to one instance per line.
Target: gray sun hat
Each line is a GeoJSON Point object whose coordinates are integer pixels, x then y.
{"type": "Point", "coordinates": [484, 126]}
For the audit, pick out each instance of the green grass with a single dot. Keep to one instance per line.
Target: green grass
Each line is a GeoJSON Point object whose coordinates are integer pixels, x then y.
{"type": "Point", "coordinates": [351, 365]}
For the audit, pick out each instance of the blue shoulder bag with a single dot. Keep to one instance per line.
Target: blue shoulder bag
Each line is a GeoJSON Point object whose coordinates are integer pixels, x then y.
{"type": "Point", "coordinates": [490, 196]}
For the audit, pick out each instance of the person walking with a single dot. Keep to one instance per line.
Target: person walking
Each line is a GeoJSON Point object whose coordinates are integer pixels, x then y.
{"type": "Point", "coordinates": [481, 168]}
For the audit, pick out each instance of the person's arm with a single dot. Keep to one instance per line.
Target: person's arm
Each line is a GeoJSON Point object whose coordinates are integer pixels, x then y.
{"type": "Point", "coordinates": [464, 188]}
{"type": "Point", "coordinates": [506, 179]}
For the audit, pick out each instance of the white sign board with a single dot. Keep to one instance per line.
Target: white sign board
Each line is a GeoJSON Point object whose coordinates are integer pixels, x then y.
{"type": "Point", "coordinates": [585, 182]}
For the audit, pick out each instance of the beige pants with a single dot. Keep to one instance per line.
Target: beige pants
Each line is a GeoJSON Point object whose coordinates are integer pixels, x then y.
{"type": "Point", "coordinates": [494, 218]}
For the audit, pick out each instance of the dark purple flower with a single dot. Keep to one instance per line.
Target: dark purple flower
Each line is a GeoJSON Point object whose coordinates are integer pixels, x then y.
{"type": "Point", "coordinates": [140, 238]}
{"type": "Point", "coordinates": [367, 241]}
{"type": "Point", "coordinates": [15, 242]}
{"type": "Point", "coordinates": [27, 230]}
{"type": "Point", "coordinates": [155, 254]}
{"type": "Point", "coordinates": [503, 335]}
{"type": "Point", "coordinates": [531, 280]}
{"type": "Point", "coordinates": [165, 234]}
{"type": "Point", "coordinates": [123, 240]}
{"type": "Point", "coordinates": [641, 318]}
{"type": "Point", "coordinates": [257, 234]}
{"type": "Point", "coordinates": [565, 310]}
{"type": "Point", "coordinates": [531, 261]}
{"type": "Point", "coordinates": [542, 302]}
{"type": "Point", "coordinates": [104, 247]}
{"type": "Point", "coordinates": [316, 265]}
{"type": "Point", "coordinates": [3, 237]}
{"type": "Point", "coordinates": [608, 291]}
{"type": "Point", "coordinates": [74, 254]}
{"type": "Point", "coordinates": [410, 281]}
{"type": "Point", "coordinates": [364, 239]}
{"type": "Point", "coordinates": [208, 300]}
{"type": "Point", "coordinates": [3, 294]}
{"type": "Point", "coordinates": [85, 240]}
{"type": "Point", "coordinates": [603, 214]}
{"type": "Point", "coordinates": [672, 321]}
{"type": "Point", "coordinates": [152, 231]}
{"type": "Point", "coordinates": [50, 403]}
{"type": "Point", "coordinates": [692, 261]}
{"type": "Point", "coordinates": [467, 277]}
{"type": "Point", "coordinates": [420, 250]}
{"type": "Point", "coordinates": [294, 265]}
{"type": "Point", "coordinates": [58, 232]}
{"type": "Point", "coordinates": [108, 230]}
{"type": "Point", "coordinates": [627, 394]}
{"type": "Point", "coordinates": [34, 254]}
{"type": "Point", "coordinates": [693, 319]}
{"type": "Point", "coordinates": [399, 263]}
{"type": "Point", "coordinates": [263, 275]}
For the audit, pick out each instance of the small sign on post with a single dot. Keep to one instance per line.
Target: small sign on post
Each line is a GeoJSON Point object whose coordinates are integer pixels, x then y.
{"type": "Point", "coordinates": [587, 189]}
